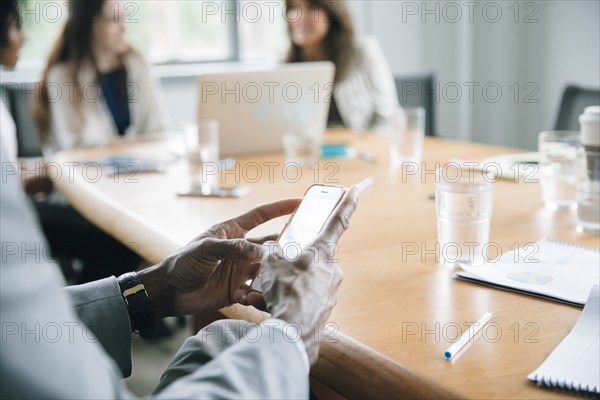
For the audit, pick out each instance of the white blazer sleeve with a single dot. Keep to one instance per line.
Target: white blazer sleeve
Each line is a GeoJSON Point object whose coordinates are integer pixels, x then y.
{"type": "Point", "coordinates": [62, 110]}
{"type": "Point", "coordinates": [383, 87]}
{"type": "Point", "coordinates": [367, 97]}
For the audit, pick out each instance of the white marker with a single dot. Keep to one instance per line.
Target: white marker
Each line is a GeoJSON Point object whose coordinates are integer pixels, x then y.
{"type": "Point", "coordinates": [467, 336]}
{"type": "Point", "coordinates": [365, 183]}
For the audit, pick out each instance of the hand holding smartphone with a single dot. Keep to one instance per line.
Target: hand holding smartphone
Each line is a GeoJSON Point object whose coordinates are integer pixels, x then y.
{"type": "Point", "coordinates": [308, 219]}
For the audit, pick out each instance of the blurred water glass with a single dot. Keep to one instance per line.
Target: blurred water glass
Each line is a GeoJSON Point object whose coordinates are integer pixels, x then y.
{"type": "Point", "coordinates": [302, 139]}
{"type": "Point", "coordinates": [558, 166]}
{"type": "Point", "coordinates": [202, 152]}
{"type": "Point", "coordinates": [463, 199]}
{"type": "Point", "coordinates": [588, 190]}
{"type": "Point", "coordinates": [406, 135]}
{"type": "Point", "coordinates": [588, 174]}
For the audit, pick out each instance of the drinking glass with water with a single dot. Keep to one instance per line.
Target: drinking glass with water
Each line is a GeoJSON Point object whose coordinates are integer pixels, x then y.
{"type": "Point", "coordinates": [202, 152]}
{"type": "Point", "coordinates": [558, 150]}
{"type": "Point", "coordinates": [588, 173]}
{"type": "Point", "coordinates": [464, 211]}
{"type": "Point", "coordinates": [406, 135]}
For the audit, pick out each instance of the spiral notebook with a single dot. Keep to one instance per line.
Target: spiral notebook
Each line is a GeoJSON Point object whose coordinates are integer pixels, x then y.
{"type": "Point", "coordinates": [550, 269]}
{"type": "Point", "coordinates": [575, 363]}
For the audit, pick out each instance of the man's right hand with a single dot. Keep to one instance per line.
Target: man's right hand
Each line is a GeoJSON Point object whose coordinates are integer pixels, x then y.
{"type": "Point", "coordinates": [304, 290]}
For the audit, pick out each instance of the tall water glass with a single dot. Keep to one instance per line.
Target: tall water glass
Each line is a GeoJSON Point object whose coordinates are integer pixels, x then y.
{"type": "Point", "coordinates": [301, 147]}
{"type": "Point", "coordinates": [407, 132]}
{"type": "Point", "coordinates": [302, 136]}
{"type": "Point", "coordinates": [588, 191]}
{"type": "Point", "coordinates": [202, 150]}
{"type": "Point", "coordinates": [558, 151]}
{"type": "Point", "coordinates": [588, 177]}
{"type": "Point", "coordinates": [463, 200]}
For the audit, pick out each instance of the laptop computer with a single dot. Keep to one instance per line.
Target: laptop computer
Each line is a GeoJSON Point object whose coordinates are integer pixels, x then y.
{"type": "Point", "coordinates": [255, 107]}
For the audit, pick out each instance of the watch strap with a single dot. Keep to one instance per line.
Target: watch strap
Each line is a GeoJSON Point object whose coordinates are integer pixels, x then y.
{"type": "Point", "coordinates": [138, 304]}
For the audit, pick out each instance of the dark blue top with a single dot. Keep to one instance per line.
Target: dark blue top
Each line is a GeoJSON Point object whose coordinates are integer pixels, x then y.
{"type": "Point", "coordinates": [116, 100]}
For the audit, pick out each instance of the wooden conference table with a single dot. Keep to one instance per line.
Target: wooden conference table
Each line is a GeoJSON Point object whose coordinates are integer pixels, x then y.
{"type": "Point", "coordinates": [398, 310]}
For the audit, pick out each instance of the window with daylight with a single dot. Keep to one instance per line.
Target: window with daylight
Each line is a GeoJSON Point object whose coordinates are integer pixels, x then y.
{"type": "Point", "coordinates": [171, 31]}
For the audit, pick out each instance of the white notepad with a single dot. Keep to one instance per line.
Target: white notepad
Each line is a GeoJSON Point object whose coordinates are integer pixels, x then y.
{"type": "Point", "coordinates": [575, 363]}
{"type": "Point", "coordinates": [548, 268]}
{"type": "Point", "coordinates": [516, 167]}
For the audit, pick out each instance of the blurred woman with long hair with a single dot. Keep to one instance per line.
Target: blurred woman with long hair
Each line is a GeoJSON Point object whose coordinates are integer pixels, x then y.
{"type": "Point", "coordinates": [95, 89]}
{"type": "Point", "coordinates": [96, 86]}
{"type": "Point", "coordinates": [365, 95]}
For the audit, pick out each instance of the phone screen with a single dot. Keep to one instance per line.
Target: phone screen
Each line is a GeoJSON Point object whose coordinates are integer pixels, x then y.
{"type": "Point", "coordinates": [307, 221]}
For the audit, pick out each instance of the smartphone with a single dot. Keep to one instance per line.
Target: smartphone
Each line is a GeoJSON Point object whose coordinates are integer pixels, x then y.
{"type": "Point", "coordinates": [306, 222]}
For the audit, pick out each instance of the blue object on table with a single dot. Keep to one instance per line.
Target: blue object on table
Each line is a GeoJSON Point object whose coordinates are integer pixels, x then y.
{"type": "Point", "coordinates": [334, 150]}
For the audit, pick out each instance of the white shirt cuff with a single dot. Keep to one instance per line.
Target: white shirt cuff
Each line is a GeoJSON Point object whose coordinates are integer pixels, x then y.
{"type": "Point", "coordinates": [292, 333]}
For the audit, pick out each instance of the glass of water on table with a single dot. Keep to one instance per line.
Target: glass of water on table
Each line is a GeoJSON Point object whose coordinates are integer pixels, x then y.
{"type": "Point", "coordinates": [463, 199]}
{"type": "Point", "coordinates": [406, 135]}
{"type": "Point", "coordinates": [202, 152]}
{"type": "Point", "coordinates": [558, 165]}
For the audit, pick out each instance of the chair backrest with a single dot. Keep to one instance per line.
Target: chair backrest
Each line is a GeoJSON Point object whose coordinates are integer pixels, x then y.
{"type": "Point", "coordinates": [419, 91]}
{"type": "Point", "coordinates": [20, 99]}
{"type": "Point", "coordinates": [574, 100]}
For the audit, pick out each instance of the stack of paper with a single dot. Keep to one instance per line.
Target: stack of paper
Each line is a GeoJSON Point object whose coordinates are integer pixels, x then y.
{"type": "Point", "coordinates": [515, 167]}
{"type": "Point", "coordinates": [549, 269]}
{"type": "Point", "coordinates": [575, 363]}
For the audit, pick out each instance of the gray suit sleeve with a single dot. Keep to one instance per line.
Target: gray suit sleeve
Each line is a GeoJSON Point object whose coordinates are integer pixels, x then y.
{"type": "Point", "coordinates": [47, 352]}
{"type": "Point", "coordinates": [232, 359]}
{"type": "Point", "coordinates": [101, 308]}
{"type": "Point", "coordinates": [54, 341]}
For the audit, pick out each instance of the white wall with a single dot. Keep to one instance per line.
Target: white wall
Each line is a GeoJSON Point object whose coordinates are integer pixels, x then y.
{"type": "Point", "coordinates": [559, 44]}
{"type": "Point", "coordinates": [562, 46]}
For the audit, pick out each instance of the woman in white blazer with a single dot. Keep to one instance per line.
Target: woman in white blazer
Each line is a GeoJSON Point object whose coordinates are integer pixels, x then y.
{"type": "Point", "coordinates": [365, 94]}
{"type": "Point", "coordinates": [96, 87]}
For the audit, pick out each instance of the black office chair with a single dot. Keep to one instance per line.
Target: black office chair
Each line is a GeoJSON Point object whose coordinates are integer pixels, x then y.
{"type": "Point", "coordinates": [574, 100]}
{"type": "Point", "coordinates": [419, 91]}
{"type": "Point", "coordinates": [20, 99]}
